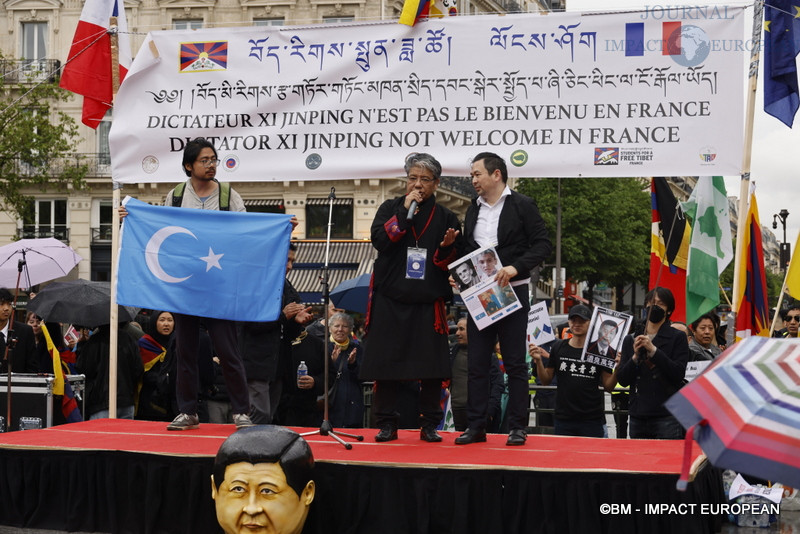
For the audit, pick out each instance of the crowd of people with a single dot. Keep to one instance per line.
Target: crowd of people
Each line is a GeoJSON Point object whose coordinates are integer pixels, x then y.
{"type": "Point", "coordinates": [185, 369]}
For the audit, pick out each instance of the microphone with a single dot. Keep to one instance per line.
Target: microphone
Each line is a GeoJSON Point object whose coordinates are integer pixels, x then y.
{"type": "Point", "coordinates": [411, 209]}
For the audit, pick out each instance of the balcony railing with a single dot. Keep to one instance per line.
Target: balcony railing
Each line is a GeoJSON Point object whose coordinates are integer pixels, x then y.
{"type": "Point", "coordinates": [102, 234]}
{"type": "Point", "coordinates": [60, 232]}
{"type": "Point", "coordinates": [29, 70]}
{"type": "Point", "coordinates": [98, 164]}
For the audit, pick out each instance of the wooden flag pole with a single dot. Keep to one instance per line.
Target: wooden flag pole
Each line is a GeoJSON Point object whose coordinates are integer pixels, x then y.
{"type": "Point", "coordinates": [744, 184]}
{"type": "Point", "coordinates": [113, 30]}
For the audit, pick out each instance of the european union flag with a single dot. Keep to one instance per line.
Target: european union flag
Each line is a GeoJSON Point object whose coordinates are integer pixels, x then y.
{"type": "Point", "coordinates": [781, 45]}
{"type": "Point", "coordinates": [225, 265]}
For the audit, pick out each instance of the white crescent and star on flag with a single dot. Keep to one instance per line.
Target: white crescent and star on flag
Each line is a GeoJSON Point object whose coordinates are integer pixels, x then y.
{"type": "Point", "coordinates": [153, 248]}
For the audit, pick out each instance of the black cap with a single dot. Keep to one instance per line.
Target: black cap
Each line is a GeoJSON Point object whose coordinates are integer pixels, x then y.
{"type": "Point", "coordinates": [579, 310]}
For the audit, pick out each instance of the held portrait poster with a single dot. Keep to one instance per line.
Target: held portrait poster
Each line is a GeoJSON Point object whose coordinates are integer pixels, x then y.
{"type": "Point", "coordinates": [565, 95]}
{"type": "Point", "coordinates": [486, 300]}
{"type": "Point", "coordinates": [606, 332]}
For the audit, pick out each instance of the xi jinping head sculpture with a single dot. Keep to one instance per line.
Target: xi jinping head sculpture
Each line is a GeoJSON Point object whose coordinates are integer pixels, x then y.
{"type": "Point", "coordinates": [262, 481]}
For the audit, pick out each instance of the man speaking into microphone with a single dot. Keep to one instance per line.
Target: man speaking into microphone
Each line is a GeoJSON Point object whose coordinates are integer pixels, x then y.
{"type": "Point", "coordinates": [406, 339]}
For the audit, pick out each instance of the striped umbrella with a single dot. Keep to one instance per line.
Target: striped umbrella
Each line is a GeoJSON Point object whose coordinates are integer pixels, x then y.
{"type": "Point", "coordinates": [744, 409]}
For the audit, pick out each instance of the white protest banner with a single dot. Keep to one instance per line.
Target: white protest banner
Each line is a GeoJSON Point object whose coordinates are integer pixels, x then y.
{"type": "Point", "coordinates": [540, 330]}
{"type": "Point", "coordinates": [566, 94]}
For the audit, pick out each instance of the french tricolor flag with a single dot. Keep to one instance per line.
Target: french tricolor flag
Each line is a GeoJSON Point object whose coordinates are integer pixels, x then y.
{"type": "Point", "coordinates": [670, 39]}
{"type": "Point", "coordinates": [88, 68]}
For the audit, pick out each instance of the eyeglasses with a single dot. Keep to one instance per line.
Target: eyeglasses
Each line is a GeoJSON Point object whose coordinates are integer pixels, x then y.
{"type": "Point", "coordinates": [208, 162]}
{"type": "Point", "coordinates": [421, 179]}
{"type": "Point", "coordinates": [792, 318]}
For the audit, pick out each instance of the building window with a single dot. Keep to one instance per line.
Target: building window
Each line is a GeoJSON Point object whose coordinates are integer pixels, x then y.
{"type": "Point", "coordinates": [34, 49]}
{"type": "Point", "coordinates": [106, 219]}
{"type": "Point", "coordinates": [103, 150]}
{"type": "Point", "coordinates": [187, 24]}
{"type": "Point", "coordinates": [268, 22]}
{"type": "Point", "coordinates": [337, 20]}
{"type": "Point", "coordinates": [47, 219]}
{"type": "Point", "coordinates": [341, 218]}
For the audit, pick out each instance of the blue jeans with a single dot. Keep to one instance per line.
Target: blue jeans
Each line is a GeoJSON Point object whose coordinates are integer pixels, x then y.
{"type": "Point", "coordinates": [123, 412]}
{"type": "Point", "coordinates": [656, 428]}
{"type": "Point", "coordinates": [587, 429]}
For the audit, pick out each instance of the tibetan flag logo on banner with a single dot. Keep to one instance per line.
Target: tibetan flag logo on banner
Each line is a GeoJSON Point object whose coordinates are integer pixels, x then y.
{"type": "Point", "coordinates": [88, 71]}
{"type": "Point", "coordinates": [203, 57]}
{"type": "Point", "coordinates": [219, 264]}
{"type": "Point", "coordinates": [752, 317]}
{"type": "Point", "coordinates": [669, 245]}
{"type": "Point", "coordinates": [711, 248]}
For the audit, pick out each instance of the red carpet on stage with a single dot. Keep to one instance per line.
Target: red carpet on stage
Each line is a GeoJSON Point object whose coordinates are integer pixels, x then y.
{"type": "Point", "coordinates": [542, 452]}
{"type": "Point", "coordinates": [135, 476]}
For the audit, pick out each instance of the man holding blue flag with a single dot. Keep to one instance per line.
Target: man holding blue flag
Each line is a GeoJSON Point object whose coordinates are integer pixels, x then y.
{"type": "Point", "coordinates": [204, 266]}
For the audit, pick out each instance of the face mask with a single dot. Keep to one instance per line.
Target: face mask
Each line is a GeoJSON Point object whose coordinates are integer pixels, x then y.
{"type": "Point", "coordinates": [656, 314]}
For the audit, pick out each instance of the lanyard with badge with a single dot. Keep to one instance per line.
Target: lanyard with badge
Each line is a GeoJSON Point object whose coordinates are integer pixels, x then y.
{"type": "Point", "coordinates": [416, 257]}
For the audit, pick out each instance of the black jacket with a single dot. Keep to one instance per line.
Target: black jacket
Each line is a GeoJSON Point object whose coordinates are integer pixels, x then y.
{"type": "Point", "coordinates": [651, 387]}
{"type": "Point", "coordinates": [24, 358]}
{"type": "Point", "coordinates": [522, 238]}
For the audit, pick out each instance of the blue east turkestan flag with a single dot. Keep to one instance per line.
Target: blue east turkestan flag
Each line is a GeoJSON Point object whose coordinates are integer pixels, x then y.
{"type": "Point", "coordinates": [225, 265]}
{"type": "Point", "coordinates": [781, 45]}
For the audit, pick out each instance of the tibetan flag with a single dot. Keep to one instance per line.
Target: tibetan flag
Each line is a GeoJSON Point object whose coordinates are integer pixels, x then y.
{"type": "Point", "coordinates": [61, 387]}
{"type": "Point", "coordinates": [781, 45]}
{"type": "Point", "coordinates": [87, 71]}
{"type": "Point", "coordinates": [55, 355]}
{"type": "Point", "coordinates": [151, 352]}
{"type": "Point", "coordinates": [669, 245]}
{"type": "Point", "coordinates": [793, 273]}
{"type": "Point", "coordinates": [414, 10]}
{"type": "Point", "coordinates": [220, 264]}
{"type": "Point", "coordinates": [711, 248]}
{"type": "Point", "coordinates": [752, 317]}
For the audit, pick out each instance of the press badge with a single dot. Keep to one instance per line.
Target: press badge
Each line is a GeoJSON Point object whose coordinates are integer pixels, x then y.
{"type": "Point", "coordinates": [415, 263]}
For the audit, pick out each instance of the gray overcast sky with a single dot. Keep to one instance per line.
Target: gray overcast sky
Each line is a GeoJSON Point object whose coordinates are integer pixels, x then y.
{"type": "Point", "coordinates": [775, 164]}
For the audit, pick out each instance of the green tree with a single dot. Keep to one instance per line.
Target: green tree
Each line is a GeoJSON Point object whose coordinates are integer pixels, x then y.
{"type": "Point", "coordinates": [605, 226]}
{"type": "Point", "coordinates": [35, 139]}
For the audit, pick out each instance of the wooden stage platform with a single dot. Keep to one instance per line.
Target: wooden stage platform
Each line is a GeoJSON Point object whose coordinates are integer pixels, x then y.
{"type": "Point", "coordinates": [134, 476]}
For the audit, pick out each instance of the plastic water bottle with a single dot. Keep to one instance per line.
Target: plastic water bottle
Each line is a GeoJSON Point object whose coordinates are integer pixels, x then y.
{"type": "Point", "coordinates": [302, 370]}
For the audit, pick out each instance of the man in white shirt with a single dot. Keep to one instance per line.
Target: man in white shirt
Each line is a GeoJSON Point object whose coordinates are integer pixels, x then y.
{"type": "Point", "coordinates": [511, 223]}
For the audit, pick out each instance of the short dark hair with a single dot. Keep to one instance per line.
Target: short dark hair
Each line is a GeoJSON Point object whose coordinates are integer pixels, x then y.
{"type": "Point", "coordinates": [610, 322]}
{"type": "Point", "coordinates": [267, 444]}
{"type": "Point", "coordinates": [426, 161]}
{"type": "Point", "coordinates": [192, 151]}
{"type": "Point", "coordinates": [6, 296]}
{"type": "Point", "coordinates": [710, 316]}
{"type": "Point", "coordinates": [292, 246]}
{"type": "Point", "coordinates": [664, 295]}
{"type": "Point", "coordinates": [493, 162]}
{"type": "Point", "coordinates": [488, 252]}
{"type": "Point", "coordinates": [784, 312]}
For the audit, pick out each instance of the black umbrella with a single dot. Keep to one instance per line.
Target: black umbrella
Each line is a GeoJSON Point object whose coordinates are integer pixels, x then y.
{"type": "Point", "coordinates": [80, 302]}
